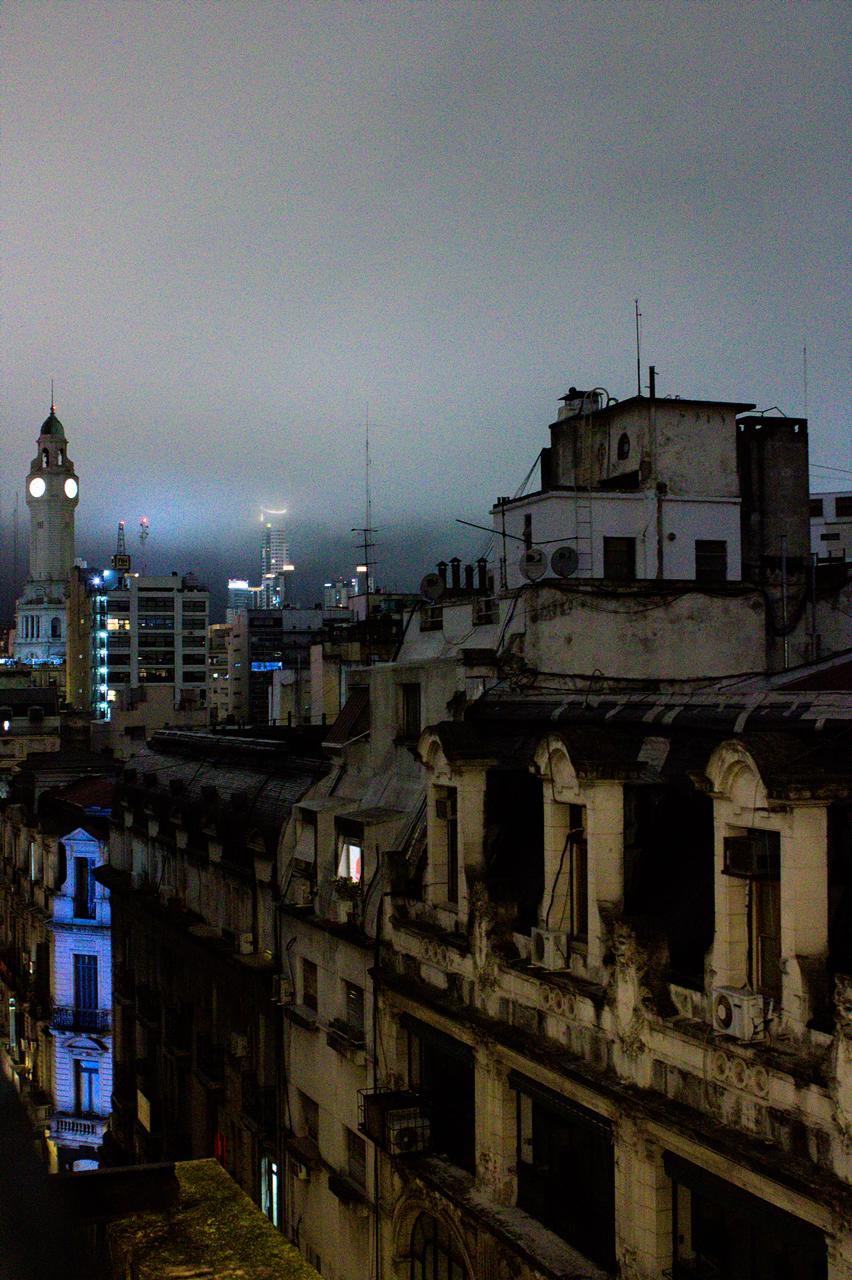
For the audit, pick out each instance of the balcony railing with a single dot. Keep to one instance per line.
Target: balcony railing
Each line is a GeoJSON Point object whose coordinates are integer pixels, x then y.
{"type": "Point", "coordinates": [77, 1128]}
{"type": "Point", "coordinates": [69, 1018]}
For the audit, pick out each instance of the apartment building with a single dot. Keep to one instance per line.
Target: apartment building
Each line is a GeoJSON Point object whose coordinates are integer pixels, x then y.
{"type": "Point", "coordinates": [56, 971]}
{"type": "Point", "coordinates": [198, 956]}
{"type": "Point", "coordinates": [559, 930]}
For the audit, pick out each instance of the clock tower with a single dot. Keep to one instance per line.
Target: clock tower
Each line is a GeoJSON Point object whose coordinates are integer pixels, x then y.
{"type": "Point", "coordinates": [52, 496]}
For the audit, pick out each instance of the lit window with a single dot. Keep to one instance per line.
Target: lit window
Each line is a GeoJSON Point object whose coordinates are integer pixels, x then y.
{"type": "Point", "coordinates": [350, 843]}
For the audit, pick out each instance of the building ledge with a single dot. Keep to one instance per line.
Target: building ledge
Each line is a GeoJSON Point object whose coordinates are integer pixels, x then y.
{"type": "Point", "coordinates": [427, 929]}
{"type": "Point", "coordinates": [678, 1119]}
{"type": "Point", "coordinates": [548, 1254]}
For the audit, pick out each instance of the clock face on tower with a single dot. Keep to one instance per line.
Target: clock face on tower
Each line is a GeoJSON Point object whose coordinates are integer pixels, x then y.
{"type": "Point", "coordinates": [37, 486]}
{"type": "Point", "coordinates": [70, 488]}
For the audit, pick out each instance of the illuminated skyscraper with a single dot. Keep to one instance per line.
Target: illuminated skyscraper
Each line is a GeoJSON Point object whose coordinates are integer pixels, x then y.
{"type": "Point", "coordinates": [274, 560]}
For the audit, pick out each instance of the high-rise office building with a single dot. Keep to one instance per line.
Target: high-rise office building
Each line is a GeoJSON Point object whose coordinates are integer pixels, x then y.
{"type": "Point", "coordinates": [274, 560]}
{"type": "Point", "coordinates": [241, 595]}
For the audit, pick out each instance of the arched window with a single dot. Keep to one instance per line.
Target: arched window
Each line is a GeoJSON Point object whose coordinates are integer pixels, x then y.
{"type": "Point", "coordinates": [434, 1254]}
{"type": "Point", "coordinates": [60, 457]}
{"type": "Point", "coordinates": [623, 449]}
{"type": "Point", "coordinates": [55, 629]}
{"type": "Point", "coordinates": [45, 458]}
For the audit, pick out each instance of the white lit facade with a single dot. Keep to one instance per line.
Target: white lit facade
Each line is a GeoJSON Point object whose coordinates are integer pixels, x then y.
{"type": "Point", "coordinates": [52, 495]}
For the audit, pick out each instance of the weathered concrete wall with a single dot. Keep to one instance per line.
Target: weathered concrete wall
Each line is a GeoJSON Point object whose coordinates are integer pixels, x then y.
{"type": "Point", "coordinates": [643, 636]}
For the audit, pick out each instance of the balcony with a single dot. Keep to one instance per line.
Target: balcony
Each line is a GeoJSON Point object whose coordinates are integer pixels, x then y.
{"type": "Point", "coordinates": [71, 1127]}
{"type": "Point", "coordinates": [69, 1018]}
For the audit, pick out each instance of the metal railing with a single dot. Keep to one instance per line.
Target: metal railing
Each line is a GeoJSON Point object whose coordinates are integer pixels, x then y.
{"type": "Point", "coordinates": [70, 1018]}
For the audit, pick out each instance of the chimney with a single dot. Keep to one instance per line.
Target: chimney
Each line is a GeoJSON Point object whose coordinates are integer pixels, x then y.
{"type": "Point", "coordinates": [468, 578]}
{"type": "Point", "coordinates": [482, 575]}
{"type": "Point", "coordinates": [442, 571]}
{"type": "Point", "coordinates": [455, 573]}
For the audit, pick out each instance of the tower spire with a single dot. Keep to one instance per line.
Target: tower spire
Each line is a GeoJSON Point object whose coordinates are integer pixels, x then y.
{"type": "Point", "coordinates": [52, 400]}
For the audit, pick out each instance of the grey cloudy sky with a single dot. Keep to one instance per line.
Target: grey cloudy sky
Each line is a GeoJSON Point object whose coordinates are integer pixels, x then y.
{"type": "Point", "coordinates": [229, 226]}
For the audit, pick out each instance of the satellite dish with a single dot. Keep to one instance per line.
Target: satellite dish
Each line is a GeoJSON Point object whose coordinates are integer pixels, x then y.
{"type": "Point", "coordinates": [432, 586]}
{"type": "Point", "coordinates": [564, 562]}
{"type": "Point", "coordinates": [533, 564]}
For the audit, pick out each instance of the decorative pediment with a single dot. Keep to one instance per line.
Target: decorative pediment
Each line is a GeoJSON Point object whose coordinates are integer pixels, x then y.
{"type": "Point", "coordinates": [86, 1044]}
{"type": "Point", "coordinates": [734, 774]}
{"type": "Point", "coordinates": [554, 764]}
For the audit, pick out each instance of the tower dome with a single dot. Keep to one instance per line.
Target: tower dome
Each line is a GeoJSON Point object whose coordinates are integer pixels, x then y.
{"type": "Point", "coordinates": [51, 425]}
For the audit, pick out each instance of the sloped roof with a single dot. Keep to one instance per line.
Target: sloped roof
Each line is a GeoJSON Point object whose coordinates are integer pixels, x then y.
{"type": "Point", "coordinates": [353, 721]}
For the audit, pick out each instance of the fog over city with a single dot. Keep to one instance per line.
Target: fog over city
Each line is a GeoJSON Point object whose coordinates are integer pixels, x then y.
{"type": "Point", "coordinates": [232, 231]}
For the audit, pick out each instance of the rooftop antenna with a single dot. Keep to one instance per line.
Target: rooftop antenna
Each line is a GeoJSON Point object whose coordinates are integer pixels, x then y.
{"type": "Point", "coordinates": [638, 348]}
{"type": "Point", "coordinates": [805, 376]}
{"type": "Point", "coordinates": [366, 531]}
{"type": "Point", "coordinates": [144, 530]}
{"type": "Point", "coordinates": [369, 501]}
{"type": "Point", "coordinates": [15, 560]}
{"type": "Point", "coordinates": [121, 560]}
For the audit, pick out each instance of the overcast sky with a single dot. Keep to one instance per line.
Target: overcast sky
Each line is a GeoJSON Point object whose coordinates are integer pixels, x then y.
{"type": "Point", "coordinates": [229, 227]}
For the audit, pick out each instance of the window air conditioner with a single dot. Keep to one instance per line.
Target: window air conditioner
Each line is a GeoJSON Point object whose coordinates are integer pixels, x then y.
{"type": "Point", "coordinates": [396, 1120]}
{"type": "Point", "coordinates": [406, 1131]}
{"type": "Point", "coordinates": [549, 948]}
{"type": "Point", "coordinates": [755, 855]}
{"type": "Point", "coordinates": [245, 944]}
{"type": "Point", "coordinates": [738, 1012]}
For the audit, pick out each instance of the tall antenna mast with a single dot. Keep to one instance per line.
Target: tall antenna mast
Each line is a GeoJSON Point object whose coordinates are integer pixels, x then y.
{"type": "Point", "coordinates": [805, 375]}
{"type": "Point", "coordinates": [367, 544]}
{"type": "Point", "coordinates": [15, 561]}
{"type": "Point", "coordinates": [144, 530]}
{"type": "Point", "coordinates": [369, 501]}
{"type": "Point", "coordinates": [638, 348]}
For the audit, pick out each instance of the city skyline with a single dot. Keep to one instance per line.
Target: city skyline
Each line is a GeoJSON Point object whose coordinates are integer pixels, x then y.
{"type": "Point", "coordinates": [412, 210]}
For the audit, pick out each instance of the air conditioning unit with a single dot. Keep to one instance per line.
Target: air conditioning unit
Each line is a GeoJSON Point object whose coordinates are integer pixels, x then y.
{"type": "Point", "coordinates": [755, 855]}
{"type": "Point", "coordinates": [738, 1012]}
{"type": "Point", "coordinates": [282, 989]}
{"type": "Point", "coordinates": [238, 1045]}
{"type": "Point", "coordinates": [407, 1130]}
{"type": "Point", "coordinates": [245, 944]}
{"type": "Point", "coordinates": [549, 948]}
{"type": "Point", "coordinates": [395, 1120]}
